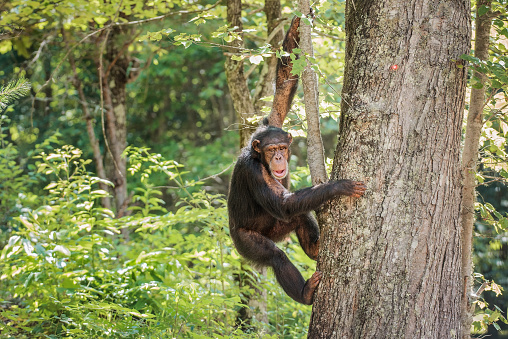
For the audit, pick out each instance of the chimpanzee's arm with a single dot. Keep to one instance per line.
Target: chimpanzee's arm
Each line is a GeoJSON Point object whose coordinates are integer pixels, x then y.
{"type": "Point", "coordinates": [283, 205]}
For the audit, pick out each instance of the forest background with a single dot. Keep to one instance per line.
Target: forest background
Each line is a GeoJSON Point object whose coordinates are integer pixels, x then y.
{"type": "Point", "coordinates": [148, 80]}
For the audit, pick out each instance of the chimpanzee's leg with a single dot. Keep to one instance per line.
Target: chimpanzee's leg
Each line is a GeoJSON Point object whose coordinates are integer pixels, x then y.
{"type": "Point", "coordinates": [262, 250]}
{"type": "Point", "coordinates": [308, 234]}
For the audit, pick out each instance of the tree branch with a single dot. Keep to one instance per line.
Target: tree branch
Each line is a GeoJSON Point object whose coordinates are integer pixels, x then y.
{"type": "Point", "coordinates": [315, 149]}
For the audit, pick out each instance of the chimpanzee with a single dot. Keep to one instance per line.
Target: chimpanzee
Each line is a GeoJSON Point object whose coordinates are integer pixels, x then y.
{"type": "Point", "coordinates": [263, 211]}
{"type": "Point", "coordinates": [261, 208]}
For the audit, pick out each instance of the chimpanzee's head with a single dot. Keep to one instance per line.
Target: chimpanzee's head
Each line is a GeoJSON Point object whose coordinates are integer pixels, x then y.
{"type": "Point", "coordinates": [271, 146]}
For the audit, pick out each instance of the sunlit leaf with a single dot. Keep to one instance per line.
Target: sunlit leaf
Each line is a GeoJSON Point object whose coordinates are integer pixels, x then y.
{"type": "Point", "coordinates": [62, 249]}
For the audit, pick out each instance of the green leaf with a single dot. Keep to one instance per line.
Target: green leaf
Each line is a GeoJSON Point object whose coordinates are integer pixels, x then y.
{"type": "Point", "coordinates": [13, 90]}
{"type": "Point", "coordinates": [100, 20]}
{"type": "Point", "coordinates": [100, 193]}
{"type": "Point", "coordinates": [496, 84]}
{"type": "Point", "coordinates": [39, 249]}
{"type": "Point", "coordinates": [504, 223]}
{"type": "Point", "coordinates": [13, 240]}
{"type": "Point", "coordinates": [470, 58]}
{"type": "Point", "coordinates": [62, 249]}
{"type": "Point", "coordinates": [28, 280]}
{"type": "Point", "coordinates": [477, 326]}
{"type": "Point", "coordinates": [298, 66]}
{"type": "Point", "coordinates": [27, 245]}
{"type": "Point", "coordinates": [483, 10]}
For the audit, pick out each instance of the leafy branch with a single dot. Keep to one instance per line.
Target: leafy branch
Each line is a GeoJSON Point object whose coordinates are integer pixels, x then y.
{"type": "Point", "coordinates": [14, 90]}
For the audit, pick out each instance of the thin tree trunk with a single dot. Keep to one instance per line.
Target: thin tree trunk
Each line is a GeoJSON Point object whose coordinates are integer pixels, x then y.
{"type": "Point", "coordinates": [265, 84]}
{"type": "Point", "coordinates": [237, 82]}
{"type": "Point", "coordinates": [469, 162]}
{"type": "Point", "coordinates": [391, 260]}
{"type": "Point", "coordinates": [94, 142]}
{"type": "Point", "coordinates": [114, 77]}
{"type": "Point", "coordinates": [315, 148]}
{"type": "Point", "coordinates": [117, 77]}
{"type": "Point", "coordinates": [117, 168]}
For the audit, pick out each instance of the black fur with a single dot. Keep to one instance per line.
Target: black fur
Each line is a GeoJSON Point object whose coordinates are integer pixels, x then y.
{"type": "Point", "coordinates": [263, 211]}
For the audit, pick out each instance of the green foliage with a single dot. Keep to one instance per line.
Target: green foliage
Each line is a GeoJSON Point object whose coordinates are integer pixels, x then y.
{"type": "Point", "coordinates": [65, 272]}
{"type": "Point", "coordinates": [488, 316]}
{"type": "Point", "coordinates": [12, 183]}
{"type": "Point", "coordinates": [15, 89]}
{"type": "Point", "coordinates": [14, 180]}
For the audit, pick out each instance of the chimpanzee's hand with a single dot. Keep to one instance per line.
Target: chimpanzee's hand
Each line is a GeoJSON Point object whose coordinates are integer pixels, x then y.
{"type": "Point", "coordinates": [351, 188]}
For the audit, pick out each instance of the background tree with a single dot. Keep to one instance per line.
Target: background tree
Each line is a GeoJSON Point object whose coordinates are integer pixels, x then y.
{"type": "Point", "coordinates": [391, 260]}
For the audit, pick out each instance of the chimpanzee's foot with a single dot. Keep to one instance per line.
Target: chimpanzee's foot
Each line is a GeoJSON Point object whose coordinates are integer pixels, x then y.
{"type": "Point", "coordinates": [310, 287]}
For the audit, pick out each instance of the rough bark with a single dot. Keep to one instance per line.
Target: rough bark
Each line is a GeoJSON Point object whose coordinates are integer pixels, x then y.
{"type": "Point", "coordinates": [315, 148]}
{"type": "Point", "coordinates": [392, 259]}
{"type": "Point", "coordinates": [469, 162]}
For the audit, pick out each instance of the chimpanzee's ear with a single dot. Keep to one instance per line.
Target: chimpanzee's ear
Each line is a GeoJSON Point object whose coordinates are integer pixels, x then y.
{"type": "Point", "coordinates": [255, 146]}
{"type": "Point", "coordinates": [290, 138]}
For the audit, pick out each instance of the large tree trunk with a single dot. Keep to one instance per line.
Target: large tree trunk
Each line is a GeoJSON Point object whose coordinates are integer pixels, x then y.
{"type": "Point", "coordinates": [469, 160]}
{"type": "Point", "coordinates": [392, 259]}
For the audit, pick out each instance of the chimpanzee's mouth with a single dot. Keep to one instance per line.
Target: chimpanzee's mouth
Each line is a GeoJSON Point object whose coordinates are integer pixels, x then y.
{"type": "Point", "coordinates": [279, 174]}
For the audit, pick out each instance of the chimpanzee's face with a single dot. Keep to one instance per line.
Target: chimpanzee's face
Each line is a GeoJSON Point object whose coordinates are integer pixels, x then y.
{"type": "Point", "coordinates": [277, 157]}
{"type": "Point", "coordinates": [275, 153]}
